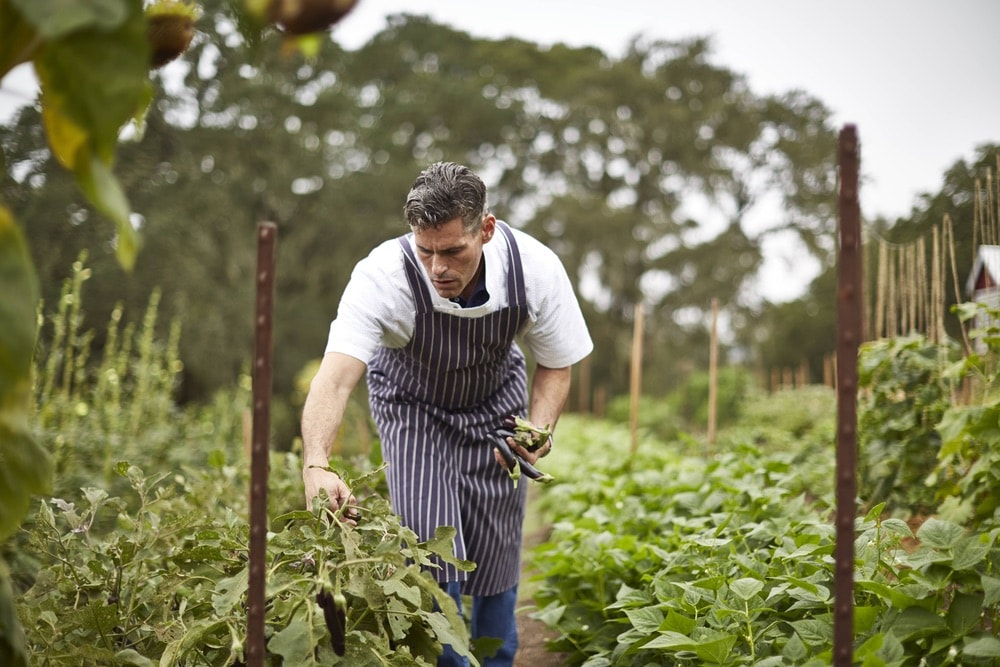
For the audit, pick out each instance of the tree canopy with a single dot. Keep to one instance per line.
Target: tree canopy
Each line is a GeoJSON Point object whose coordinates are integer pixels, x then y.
{"type": "Point", "coordinates": [656, 176]}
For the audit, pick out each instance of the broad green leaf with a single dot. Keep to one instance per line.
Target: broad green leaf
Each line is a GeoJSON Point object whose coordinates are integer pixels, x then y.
{"type": "Point", "coordinates": [229, 591]}
{"type": "Point", "coordinates": [939, 533]}
{"type": "Point", "coordinates": [968, 553]}
{"type": "Point", "coordinates": [813, 632]}
{"type": "Point", "coordinates": [93, 81]}
{"type": "Point", "coordinates": [982, 647]}
{"type": "Point", "coordinates": [916, 623]}
{"type": "Point", "coordinates": [897, 527]}
{"type": "Point", "coordinates": [965, 311]}
{"type": "Point", "coordinates": [716, 649]}
{"type": "Point", "coordinates": [132, 657]}
{"type": "Point", "coordinates": [896, 597]}
{"type": "Point", "coordinates": [746, 588]}
{"type": "Point", "coordinates": [56, 18]}
{"type": "Point", "coordinates": [294, 642]}
{"type": "Point", "coordinates": [448, 635]}
{"type": "Point", "coordinates": [865, 618]}
{"type": "Point", "coordinates": [25, 468]}
{"type": "Point", "coordinates": [396, 588]}
{"type": "Point", "coordinates": [795, 650]}
{"type": "Point", "coordinates": [991, 589]}
{"type": "Point", "coordinates": [670, 640]}
{"type": "Point", "coordinates": [103, 190]}
{"type": "Point", "coordinates": [18, 40]}
{"type": "Point", "coordinates": [891, 650]}
{"type": "Point", "coordinates": [646, 620]}
{"type": "Point", "coordinates": [99, 80]}
{"type": "Point", "coordinates": [964, 613]}
{"type": "Point", "coordinates": [12, 649]}
{"type": "Point", "coordinates": [875, 512]}
{"type": "Point", "coordinates": [679, 623]}
{"type": "Point", "coordinates": [550, 615]}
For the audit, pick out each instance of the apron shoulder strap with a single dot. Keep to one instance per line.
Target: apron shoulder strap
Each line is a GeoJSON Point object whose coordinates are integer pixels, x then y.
{"type": "Point", "coordinates": [421, 296]}
{"type": "Point", "coordinates": [515, 274]}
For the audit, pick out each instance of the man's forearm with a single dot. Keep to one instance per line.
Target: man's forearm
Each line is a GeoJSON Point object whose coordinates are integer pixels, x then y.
{"type": "Point", "coordinates": [325, 405]}
{"type": "Point", "coordinates": [549, 390]}
{"type": "Point", "coordinates": [320, 423]}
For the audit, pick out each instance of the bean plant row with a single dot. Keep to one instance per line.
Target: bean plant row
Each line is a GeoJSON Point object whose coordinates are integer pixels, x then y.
{"type": "Point", "coordinates": [671, 556]}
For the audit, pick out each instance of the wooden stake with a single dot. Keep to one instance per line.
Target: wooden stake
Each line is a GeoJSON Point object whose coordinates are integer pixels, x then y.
{"type": "Point", "coordinates": [713, 376]}
{"type": "Point", "coordinates": [636, 392]}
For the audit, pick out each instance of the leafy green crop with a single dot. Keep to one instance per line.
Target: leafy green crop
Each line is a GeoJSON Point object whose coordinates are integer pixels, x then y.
{"type": "Point", "coordinates": [167, 580]}
{"type": "Point", "coordinates": [904, 395]}
{"type": "Point", "coordinates": [671, 559]}
{"type": "Point", "coordinates": [145, 562]}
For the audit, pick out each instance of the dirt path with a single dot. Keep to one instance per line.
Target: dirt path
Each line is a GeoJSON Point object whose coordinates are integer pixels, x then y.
{"type": "Point", "coordinates": [532, 633]}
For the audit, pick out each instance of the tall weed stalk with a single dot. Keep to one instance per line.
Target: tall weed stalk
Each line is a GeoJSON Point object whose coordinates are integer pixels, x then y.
{"type": "Point", "coordinates": [92, 414]}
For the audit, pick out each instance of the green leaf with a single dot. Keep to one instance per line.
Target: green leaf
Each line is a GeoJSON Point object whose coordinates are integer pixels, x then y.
{"type": "Point", "coordinates": [294, 642]}
{"type": "Point", "coordinates": [968, 553]}
{"type": "Point", "coordinates": [982, 647]}
{"type": "Point", "coordinates": [670, 640]}
{"type": "Point", "coordinates": [716, 649]}
{"type": "Point", "coordinates": [448, 634]}
{"type": "Point", "coordinates": [795, 650]}
{"type": "Point", "coordinates": [896, 597]}
{"type": "Point", "coordinates": [56, 18]}
{"type": "Point", "coordinates": [746, 588]}
{"type": "Point", "coordinates": [94, 80]}
{"type": "Point", "coordinates": [12, 649]}
{"type": "Point", "coordinates": [917, 623]}
{"type": "Point", "coordinates": [229, 591]}
{"type": "Point", "coordinates": [991, 589]}
{"type": "Point", "coordinates": [646, 620]}
{"type": "Point", "coordinates": [18, 39]}
{"type": "Point", "coordinates": [813, 632]}
{"type": "Point", "coordinates": [25, 468]}
{"type": "Point", "coordinates": [103, 190]}
{"type": "Point", "coordinates": [679, 623]}
{"type": "Point", "coordinates": [964, 613]}
{"type": "Point", "coordinates": [940, 533]}
{"type": "Point", "coordinates": [396, 588]}
{"type": "Point", "coordinates": [130, 656]}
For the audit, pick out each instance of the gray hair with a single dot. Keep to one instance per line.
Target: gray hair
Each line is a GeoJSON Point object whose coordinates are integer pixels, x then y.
{"type": "Point", "coordinates": [445, 191]}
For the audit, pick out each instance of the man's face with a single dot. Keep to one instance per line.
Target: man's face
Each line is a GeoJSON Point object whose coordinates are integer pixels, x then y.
{"type": "Point", "coordinates": [451, 256]}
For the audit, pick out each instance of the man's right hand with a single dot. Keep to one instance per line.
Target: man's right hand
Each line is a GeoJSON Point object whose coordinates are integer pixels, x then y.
{"type": "Point", "coordinates": [316, 479]}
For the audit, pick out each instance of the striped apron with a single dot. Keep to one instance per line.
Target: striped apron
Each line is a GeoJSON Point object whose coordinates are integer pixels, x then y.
{"type": "Point", "coordinates": [435, 402]}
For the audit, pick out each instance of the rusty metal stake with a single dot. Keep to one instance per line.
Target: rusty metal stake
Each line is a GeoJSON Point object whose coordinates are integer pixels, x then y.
{"type": "Point", "coordinates": [267, 233]}
{"type": "Point", "coordinates": [848, 340]}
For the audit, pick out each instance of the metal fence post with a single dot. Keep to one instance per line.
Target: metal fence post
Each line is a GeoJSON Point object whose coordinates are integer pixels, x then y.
{"type": "Point", "coordinates": [848, 340]}
{"type": "Point", "coordinates": [267, 233]}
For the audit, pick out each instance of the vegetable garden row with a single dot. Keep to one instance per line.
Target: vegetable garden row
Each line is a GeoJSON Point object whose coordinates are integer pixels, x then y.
{"type": "Point", "coordinates": [667, 556]}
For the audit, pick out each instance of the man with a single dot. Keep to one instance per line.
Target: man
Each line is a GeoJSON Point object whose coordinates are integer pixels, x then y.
{"type": "Point", "coordinates": [433, 316]}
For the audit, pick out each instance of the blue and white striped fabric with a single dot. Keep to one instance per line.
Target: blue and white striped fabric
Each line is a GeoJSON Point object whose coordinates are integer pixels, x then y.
{"type": "Point", "coordinates": [436, 403]}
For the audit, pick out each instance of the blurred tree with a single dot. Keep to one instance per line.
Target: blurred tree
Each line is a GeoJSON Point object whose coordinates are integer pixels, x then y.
{"type": "Point", "coordinates": [787, 334]}
{"type": "Point", "coordinates": [656, 178]}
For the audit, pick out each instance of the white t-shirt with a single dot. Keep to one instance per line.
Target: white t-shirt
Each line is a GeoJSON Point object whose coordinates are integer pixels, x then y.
{"type": "Point", "coordinates": [377, 309]}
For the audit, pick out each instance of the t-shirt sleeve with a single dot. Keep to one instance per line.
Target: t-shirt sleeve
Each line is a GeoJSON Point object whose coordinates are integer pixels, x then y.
{"type": "Point", "coordinates": [367, 316]}
{"type": "Point", "coordinates": [557, 335]}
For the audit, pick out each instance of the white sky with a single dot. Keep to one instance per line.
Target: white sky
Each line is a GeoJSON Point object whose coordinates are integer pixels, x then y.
{"type": "Point", "coordinates": [919, 78]}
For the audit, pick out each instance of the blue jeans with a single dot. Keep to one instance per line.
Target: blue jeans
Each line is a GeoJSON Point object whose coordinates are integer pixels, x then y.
{"type": "Point", "coordinates": [492, 616]}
